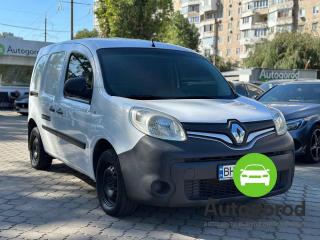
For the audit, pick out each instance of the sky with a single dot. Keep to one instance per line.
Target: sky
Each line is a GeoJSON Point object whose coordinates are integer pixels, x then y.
{"type": "Point", "coordinates": [31, 14]}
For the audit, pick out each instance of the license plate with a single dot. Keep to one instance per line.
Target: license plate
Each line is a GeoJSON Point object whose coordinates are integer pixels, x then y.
{"type": "Point", "coordinates": [225, 172]}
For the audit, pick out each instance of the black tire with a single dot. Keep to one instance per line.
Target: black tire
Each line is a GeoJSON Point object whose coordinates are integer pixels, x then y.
{"type": "Point", "coordinates": [40, 160]}
{"type": "Point", "coordinates": [313, 148]}
{"type": "Point", "coordinates": [110, 186]}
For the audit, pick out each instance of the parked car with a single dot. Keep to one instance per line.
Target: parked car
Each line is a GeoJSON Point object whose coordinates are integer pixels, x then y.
{"type": "Point", "coordinates": [21, 104]}
{"type": "Point", "coordinates": [270, 84]}
{"type": "Point", "coordinates": [246, 89]}
{"type": "Point", "coordinates": [149, 122]}
{"type": "Point", "coordinates": [299, 101]}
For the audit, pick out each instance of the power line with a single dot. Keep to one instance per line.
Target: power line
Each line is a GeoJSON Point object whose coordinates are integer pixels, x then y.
{"type": "Point", "coordinates": [79, 3]}
{"type": "Point", "coordinates": [30, 28]}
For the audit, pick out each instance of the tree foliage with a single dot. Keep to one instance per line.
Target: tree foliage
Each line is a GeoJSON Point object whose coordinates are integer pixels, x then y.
{"type": "Point", "coordinates": [145, 19]}
{"type": "Point", "coordinates": [286, 51]}
{"type": "Point", "coordinates": [132, 18]}
{"type": "Point", "coordinates": [179, 31]}
{"type": "Point", "coordinates": [85, 33]}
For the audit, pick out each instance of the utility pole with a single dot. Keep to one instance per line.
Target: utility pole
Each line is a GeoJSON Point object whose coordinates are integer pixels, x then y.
{"type": "Point", "coordinates": [71, 19]}
{"type": "Point", "coordinates": [45, 29]}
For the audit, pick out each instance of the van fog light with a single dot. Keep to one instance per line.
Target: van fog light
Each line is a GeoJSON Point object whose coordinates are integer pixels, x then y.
{"type": "Point", "coordinates": [160, 187]}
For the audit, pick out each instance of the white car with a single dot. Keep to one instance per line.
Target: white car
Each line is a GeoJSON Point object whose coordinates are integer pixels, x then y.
{"type": "Point", "coordinates": [255, 173]}
{"type": "Point", "coordinates": [149, 122]}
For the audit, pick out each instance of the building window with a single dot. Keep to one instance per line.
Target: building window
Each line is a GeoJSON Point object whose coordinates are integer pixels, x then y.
{"type": "Point", "coordinates": [229, 12]}
{"type": "Point", "coordinates": [220, 27]}
{"type": "Point", "coordinates": [315, 10]}
{"type": "Point", "coordinates": [284, 13]}
{"type": "Point", "coordinates": [229, 39]}
{"type": "Point", "coordinates": [195, 19]}
{"type": "Point", "coordinates": [228, 52]}
{"type": "Point", "coordinates": [245, 20]}
{"type": "Point", "coordinates": [229, 25]}
{"type": "Point", "coordinates": [302, 12]}
{"type": "Point", "coordinates": [238, 51]}
{"type": "Point", "coordinates": [207, 53]}
{"type": "Point", "coordinates": [246, 33]}
{"type": "Point", "coordinates": [194, 8]}
{"type": "Point", "coordinates": [314, 27]}
{"type": "Point", "coordinates": [208, 28]}
{"type": "Point", "coordinates": [209, 15]}
{"type": "Point", "coordinates": [260, 32]}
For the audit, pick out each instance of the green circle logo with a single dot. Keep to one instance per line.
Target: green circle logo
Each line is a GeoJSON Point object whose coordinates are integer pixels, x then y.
{"type": "Point", "coordinates": [255, 175]}
{"type": "Point", "coordinates": [2, 49]}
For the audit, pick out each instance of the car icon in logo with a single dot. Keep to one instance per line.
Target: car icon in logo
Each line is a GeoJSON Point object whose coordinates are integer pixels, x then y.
{"type": "Point", "coordinates": [254, 173]}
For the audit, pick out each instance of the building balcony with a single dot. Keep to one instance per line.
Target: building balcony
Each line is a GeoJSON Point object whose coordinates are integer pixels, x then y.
{"type": "Point", "coordinates": [279, 6]}
{"type": "Point", "coordinates": [257, 11]}
{"type": "Point", "coordinates": [251, 40]}
{"type": "Point", "coordinates": [255, 25]}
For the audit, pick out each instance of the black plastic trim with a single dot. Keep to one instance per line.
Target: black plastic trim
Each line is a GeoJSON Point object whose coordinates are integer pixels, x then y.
{"type": "Point", "coordinates": [46, 117]}
{"type": "Point", "coordinates": [65, 137]}
{"type": "Point", "coordinates": [34, 93]}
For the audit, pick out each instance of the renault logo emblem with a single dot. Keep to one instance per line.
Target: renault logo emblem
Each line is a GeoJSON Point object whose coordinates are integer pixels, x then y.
{"type": "Point", "coordinates": [237, 132]}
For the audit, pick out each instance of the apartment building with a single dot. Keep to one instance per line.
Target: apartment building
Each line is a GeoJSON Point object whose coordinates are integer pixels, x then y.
{"type": "Point", "coordinates": [234, 26]}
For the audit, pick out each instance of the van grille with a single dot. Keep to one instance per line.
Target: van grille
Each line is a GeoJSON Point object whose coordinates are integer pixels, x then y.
{"type": "Point", "coordinates": [212, 188]}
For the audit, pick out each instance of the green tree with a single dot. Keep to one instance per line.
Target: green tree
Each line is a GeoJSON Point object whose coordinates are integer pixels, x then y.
{"type": "Point", "coordinates": [145, 19]}
{"type": "Point", "coordinates": [222, 64]}
{"type": "Point", "coordinates": [286, 51]}
{"type": "Point", "coordinates": [179, 31]}
{"type": "Point", "coordinates": [139, 19]}
{"type": "Point", "coordinates": [85, 33]}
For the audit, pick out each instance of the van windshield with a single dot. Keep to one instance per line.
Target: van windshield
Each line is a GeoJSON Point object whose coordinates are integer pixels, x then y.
{"type": "Point", "coordinates": [142, 73]}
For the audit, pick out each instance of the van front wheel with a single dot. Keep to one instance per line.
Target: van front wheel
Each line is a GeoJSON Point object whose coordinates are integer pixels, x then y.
{"type": "Point", "coordinates": [110, 186]}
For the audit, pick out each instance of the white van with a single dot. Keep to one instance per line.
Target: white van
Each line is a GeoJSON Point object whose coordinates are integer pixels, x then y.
{"type": "Point", "coordinates": [150, 122]}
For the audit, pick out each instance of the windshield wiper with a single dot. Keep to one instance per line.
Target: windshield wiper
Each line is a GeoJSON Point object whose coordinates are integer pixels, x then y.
{"type": "Point", "coordinates": [143, 97]}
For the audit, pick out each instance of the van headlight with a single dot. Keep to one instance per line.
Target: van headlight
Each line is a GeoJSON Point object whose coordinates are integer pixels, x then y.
{"type": "Point", "coordinates": [157, 124]}
{"type": "Point", "coordinates": [279, 121]}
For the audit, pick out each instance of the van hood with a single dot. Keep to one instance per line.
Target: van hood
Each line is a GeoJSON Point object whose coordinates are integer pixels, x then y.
{"type": "Point", "coordinates": [210, 110]}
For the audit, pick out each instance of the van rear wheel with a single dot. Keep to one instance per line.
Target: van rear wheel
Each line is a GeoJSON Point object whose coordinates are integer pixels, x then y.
{"type": "Point", "coordinates": [110, 186]}
{"type": "Point", "coordinates": [40, 160]}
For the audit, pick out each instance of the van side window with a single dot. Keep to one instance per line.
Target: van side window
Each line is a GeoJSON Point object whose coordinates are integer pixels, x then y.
{"type": "Point", "coordinates": [38, 73]}
{"type": "Point", "coordinates": [79, 78]}
{"type": "Point", "coordinates": [53, 72]}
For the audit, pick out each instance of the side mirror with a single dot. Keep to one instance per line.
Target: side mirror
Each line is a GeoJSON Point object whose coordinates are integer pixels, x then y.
{"type": "Point", "coordinates": [77, 88]}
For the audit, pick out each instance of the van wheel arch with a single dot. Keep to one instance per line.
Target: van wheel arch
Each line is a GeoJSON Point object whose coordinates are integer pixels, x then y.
{"type": "Point", "coordinates": [31, 125]}
{"type": "Point", "coordinates": [101, 146]}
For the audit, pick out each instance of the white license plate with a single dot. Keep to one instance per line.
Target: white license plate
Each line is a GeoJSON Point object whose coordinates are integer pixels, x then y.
{"type": "Point", "coordinates": [225, 172]}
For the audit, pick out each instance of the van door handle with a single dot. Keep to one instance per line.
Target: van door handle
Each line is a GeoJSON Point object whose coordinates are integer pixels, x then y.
{"type": "Point", "coordinates": [51, 109]}
{"type": "Point", "coordinates": [59, 111]}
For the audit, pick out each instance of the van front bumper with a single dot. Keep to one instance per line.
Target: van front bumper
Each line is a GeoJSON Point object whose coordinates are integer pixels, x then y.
{"type": "Point", "coordinates": [166, 173]}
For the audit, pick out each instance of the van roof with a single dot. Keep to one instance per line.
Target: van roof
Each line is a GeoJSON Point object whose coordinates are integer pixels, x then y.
{"type": "Point", "coordinates": [97, 43]}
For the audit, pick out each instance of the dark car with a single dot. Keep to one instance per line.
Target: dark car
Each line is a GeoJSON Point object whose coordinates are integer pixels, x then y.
{"type": "Point", "coordinates": [270, 84]}
{"type": "Point", "coordinates": [21, 104]}
{"type": "Point", "coordinates": [246, 89]}
{"type": "Point", "coordinates": [299, 101]}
